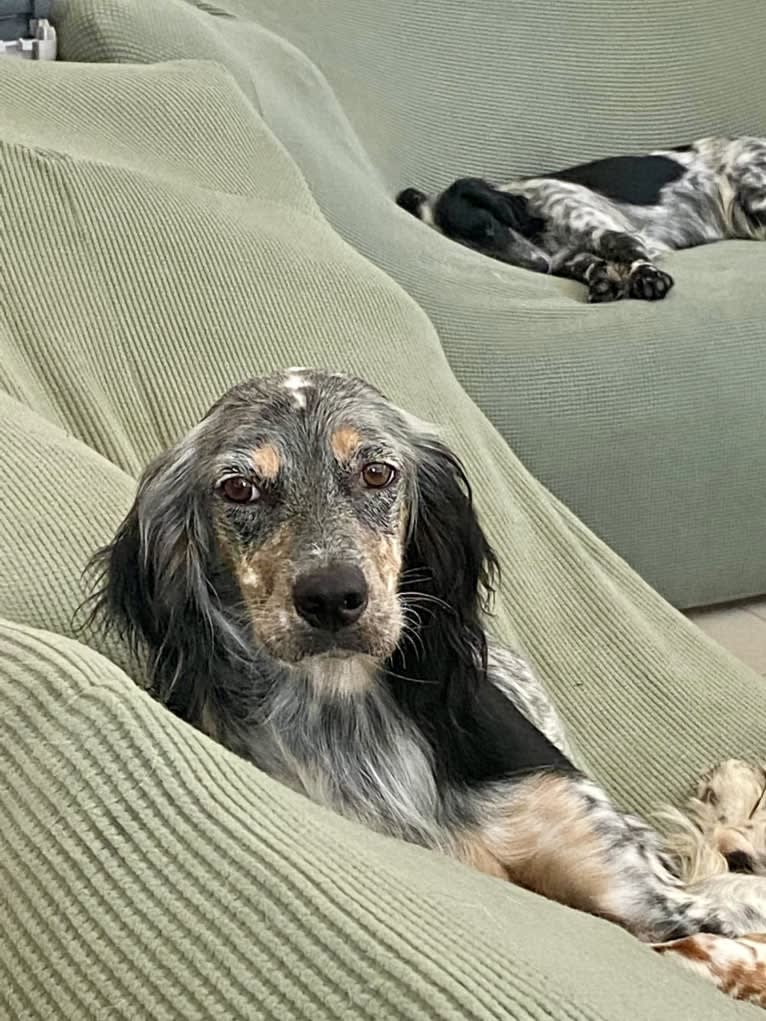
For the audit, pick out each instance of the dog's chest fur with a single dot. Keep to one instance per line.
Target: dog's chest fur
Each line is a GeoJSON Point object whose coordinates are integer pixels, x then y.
{"type": "Point", "coordinates": [344, 746]}
{"type": "Point", "coordinates": [334, 732]}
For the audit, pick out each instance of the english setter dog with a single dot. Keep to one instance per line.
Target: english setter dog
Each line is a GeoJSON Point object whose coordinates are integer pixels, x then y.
{"type": "Point", "coordinates": [606, 223]}
{"type": "Point", "coordinates": [306, 575]}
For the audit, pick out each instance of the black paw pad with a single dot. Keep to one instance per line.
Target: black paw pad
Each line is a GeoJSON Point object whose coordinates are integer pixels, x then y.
{"type": "Point", "coordinates": [648, 283]}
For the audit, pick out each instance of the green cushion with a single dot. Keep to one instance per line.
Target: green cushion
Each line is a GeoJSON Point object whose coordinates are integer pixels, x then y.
{"type": "Point", "coordinates": [645, 420]}
{"type": "Point", "coordinates": [147, 874]}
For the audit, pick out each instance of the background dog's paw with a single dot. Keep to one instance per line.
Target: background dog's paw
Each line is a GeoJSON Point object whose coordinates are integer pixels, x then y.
{"type": "Point", "coordinates": [604, 284]}
{"type": "Point", "coordinates": [648, 283]}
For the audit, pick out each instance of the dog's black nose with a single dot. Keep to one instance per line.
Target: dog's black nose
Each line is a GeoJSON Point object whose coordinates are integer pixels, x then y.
{"type": "Point", "coordinates": [331, 597]}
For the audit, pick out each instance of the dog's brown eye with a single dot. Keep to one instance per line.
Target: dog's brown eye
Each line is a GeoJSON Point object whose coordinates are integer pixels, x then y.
{"type": "Point", "coordinates": [378, 475]}
{"type": "Point", "coordinates": [238, 489]}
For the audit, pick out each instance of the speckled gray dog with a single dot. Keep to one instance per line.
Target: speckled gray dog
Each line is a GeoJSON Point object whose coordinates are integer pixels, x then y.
{"type": "Point", "coordinates": [305, 573]}
{"type": "Point", "coordinates": [606, 223]}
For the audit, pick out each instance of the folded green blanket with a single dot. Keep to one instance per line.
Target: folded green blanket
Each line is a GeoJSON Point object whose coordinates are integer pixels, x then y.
{"type": "Point", "coordinates": [158, 245]}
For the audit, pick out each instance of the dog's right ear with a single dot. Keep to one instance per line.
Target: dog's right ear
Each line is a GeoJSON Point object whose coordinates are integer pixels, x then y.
{"type": "Point", "coordinates": [153, 585]}
{"type": "Point", "coordinates": [125, 587]}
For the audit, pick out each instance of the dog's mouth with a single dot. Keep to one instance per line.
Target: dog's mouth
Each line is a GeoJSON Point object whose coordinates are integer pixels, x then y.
{"type": "Point", "coordinates": [295, 648]}
{"type": "Point", "coordinates": [303, 645]}
{"type": "Point", "coordinates": [330, 644]}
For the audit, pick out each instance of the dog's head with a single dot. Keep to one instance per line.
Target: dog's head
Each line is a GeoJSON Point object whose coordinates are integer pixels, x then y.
{"type": "Point", "coordinates": [479, 216]}
{"type": "Point", "coordinates": [305, 517]}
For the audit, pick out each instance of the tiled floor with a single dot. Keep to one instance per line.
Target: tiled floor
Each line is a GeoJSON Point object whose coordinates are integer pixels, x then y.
{"type": "Point", "coordinates": [741, 628]}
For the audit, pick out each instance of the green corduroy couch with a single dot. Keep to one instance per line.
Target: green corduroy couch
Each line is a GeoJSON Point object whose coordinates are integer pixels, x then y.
{"type": "Point", "coordinates": [160, 241]}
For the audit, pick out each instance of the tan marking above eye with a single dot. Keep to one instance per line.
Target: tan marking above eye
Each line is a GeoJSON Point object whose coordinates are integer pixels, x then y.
{"type": "Point", "coordinates": [265, 461]}
{"type": "Point", "coordinates": [345, 442]}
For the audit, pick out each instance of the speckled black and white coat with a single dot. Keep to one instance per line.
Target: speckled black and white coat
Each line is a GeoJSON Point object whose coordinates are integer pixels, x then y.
{"type": "Point", "coordinates": [606, 223]}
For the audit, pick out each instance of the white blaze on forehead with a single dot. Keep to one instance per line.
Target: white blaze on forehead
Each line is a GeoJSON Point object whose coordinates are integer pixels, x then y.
{"type": "Point", "coordinates": [297, 383]}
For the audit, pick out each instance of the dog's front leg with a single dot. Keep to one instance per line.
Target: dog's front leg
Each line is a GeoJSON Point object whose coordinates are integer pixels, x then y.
{"type": "Point", "coordinates": [604, 282]}
{"type": "Point", "coordinates": [559, 835]}
{"type": "Point", "coordinates": [615, 265]}
{"type": "Point", "coordinates": [628, 256]}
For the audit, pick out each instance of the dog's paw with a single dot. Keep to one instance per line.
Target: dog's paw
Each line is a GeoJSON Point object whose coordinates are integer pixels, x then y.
{"type": "Point", "coordinates": [604, 283]}
{"type": "Point", "coordinates": [648, 283]}
{"type": "Point", "coordinates": [736, 966]}
{"type": "Point", "coordinates": [730, 808]}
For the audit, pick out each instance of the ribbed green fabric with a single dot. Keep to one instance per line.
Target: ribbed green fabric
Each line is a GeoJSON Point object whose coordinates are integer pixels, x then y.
{"type": "Point", "coordinates": [645, 420]}
{"type": "Point", "coordinates": [159, 244]}
{"type": "Point", "coordinates": [438, 89]}
{"type": "Point", "coordinates": [148, 874]}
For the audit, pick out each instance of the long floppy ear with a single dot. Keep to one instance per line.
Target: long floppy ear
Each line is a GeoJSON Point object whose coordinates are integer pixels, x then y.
{"type": "Point", "coordinates": [514, 210]}
{"type": "Point", "coordinates": [447, 581]}
{"type": "Point", "coordinates": [154, 586]}
{"type": "Point", "coordinates": [459, 203]}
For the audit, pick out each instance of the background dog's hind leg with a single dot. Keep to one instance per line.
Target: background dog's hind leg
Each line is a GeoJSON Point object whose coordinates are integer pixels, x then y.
{"type": "Point", "coordinates": [736, 967]}
{"type": "Point", "coordinates": [747, 178]}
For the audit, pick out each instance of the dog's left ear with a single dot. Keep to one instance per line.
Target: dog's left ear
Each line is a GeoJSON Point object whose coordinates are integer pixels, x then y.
{"type": "Point", "coordinates": [448, 572]}
{"type": "Point", "coordinates": [446, 537]}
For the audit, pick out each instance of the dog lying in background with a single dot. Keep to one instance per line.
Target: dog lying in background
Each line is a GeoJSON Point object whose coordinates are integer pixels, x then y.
{"type": "Point", "coordinates": [306, 574]}
{"type": "Point", "coordinates": [606, 223]}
